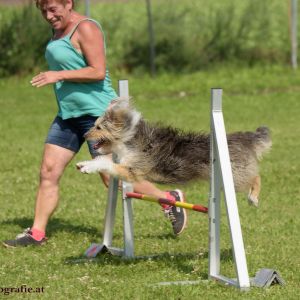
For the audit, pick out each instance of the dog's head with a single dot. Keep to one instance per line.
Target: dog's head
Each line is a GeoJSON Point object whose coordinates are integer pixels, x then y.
{"type": "Point", "coordinates": [115, 127]}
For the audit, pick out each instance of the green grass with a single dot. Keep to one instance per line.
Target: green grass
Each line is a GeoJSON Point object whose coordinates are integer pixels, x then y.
{"type": "Point", "coordinates": [252, 97]}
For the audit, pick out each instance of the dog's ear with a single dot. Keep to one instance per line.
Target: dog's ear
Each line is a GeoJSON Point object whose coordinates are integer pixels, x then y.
{"type": "Point", "coordinates": [117, 108]}
{"type": "Point", "coordinates": [120, 103]}
{"type": "Point", "coordinates": [122, 113]}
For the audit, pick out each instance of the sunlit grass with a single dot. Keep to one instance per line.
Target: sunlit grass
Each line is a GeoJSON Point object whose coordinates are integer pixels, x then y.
{"type": "Point", "coordinates": [252, 97]}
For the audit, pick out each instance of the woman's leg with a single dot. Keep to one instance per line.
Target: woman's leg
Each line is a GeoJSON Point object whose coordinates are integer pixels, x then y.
{"type": "Point", "coordinates": [177, 215]}
{"type": "Point", "coordinates": [55, 160]}
{"type": "Point", "coordinates": [142, 187]}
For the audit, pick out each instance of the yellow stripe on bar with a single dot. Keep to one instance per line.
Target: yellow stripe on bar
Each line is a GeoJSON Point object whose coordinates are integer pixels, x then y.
{"type": "Point", "coordinates": [185, 205]}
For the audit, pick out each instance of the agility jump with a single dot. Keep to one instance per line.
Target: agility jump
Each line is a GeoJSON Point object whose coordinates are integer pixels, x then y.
{"type": "Point", "coordinates": [221, 180]}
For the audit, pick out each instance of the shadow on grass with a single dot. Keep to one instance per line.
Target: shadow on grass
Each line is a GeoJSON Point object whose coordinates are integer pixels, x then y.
{"type": "Point", "coordinates": [55, 225]}
{"type": "Point", "coordinates": [61, 225]}
{"type": "Point", "coordinates": [163, 236]}
{"type": "Point", "coordinates": [180, 261]}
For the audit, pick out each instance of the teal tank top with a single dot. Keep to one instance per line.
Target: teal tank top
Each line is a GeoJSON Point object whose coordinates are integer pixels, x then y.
{"type": "Point", "coordinates": [76, 99]}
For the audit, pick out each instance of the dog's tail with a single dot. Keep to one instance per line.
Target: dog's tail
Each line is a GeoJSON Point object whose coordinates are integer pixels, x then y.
{"type": "Point", "coordinates": [263, 142]}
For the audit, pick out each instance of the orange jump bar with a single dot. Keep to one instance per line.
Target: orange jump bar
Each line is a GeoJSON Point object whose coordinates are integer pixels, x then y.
{"type": "Point", "coordinates": [185, 205]}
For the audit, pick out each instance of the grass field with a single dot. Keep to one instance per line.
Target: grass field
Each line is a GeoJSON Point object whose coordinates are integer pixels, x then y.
{"type": "Point", "coordinates": [252, 97]}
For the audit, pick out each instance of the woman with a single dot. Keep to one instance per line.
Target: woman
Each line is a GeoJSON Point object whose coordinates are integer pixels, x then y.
{"type": "Point", "coordinates": [77, 69]}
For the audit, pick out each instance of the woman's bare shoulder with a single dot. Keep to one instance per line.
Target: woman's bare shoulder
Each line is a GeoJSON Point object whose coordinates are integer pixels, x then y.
{"type": "Point", "coordinates": [88, 27]}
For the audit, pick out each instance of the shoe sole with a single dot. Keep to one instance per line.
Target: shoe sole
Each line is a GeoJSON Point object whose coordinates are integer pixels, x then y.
{"type": "Point", "coordinates": [182, 199]}
{"type": "Point", "coordinates": [8, 246]}
{"type": "Point", "coordinates": [12, 247]}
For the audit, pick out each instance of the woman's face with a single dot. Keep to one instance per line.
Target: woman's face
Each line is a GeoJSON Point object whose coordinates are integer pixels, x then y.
{"type": "Point", "coordinates": [56, 13]}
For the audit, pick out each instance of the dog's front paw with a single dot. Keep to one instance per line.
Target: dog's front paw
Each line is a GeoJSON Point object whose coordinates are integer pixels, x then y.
{"type": "Point", "coordinates": [87, 167]}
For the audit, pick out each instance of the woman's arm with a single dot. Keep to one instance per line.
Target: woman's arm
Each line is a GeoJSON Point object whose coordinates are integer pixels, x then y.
{"type": "Point", "coordinates": [88, 38]}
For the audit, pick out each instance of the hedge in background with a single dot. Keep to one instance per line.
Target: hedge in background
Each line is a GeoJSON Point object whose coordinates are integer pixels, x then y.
{"type": "Point", "coordinates": [23, 37]}
{"type": "Point", "coordinates": [190, 34]}
{"type": "Point", "coordinates": [194, 34]}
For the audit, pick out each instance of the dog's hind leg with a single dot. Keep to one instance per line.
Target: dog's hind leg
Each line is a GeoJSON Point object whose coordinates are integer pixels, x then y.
{"type": "Point", "coordinates": [254, 191]}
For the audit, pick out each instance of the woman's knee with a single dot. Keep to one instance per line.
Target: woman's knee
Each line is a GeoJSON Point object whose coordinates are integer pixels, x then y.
{"type": "Point", "coordinates": [50, 173]}
{"type": "Point", "coordinates": [55, 159]}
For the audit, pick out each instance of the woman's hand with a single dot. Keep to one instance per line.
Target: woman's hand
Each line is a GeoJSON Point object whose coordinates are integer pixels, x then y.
{"type": "Point", "coordinates": [45, 78]}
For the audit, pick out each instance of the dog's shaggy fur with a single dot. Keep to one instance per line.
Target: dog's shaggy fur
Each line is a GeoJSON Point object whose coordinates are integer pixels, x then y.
{"type": "Point", "coordinates": [167, 155]}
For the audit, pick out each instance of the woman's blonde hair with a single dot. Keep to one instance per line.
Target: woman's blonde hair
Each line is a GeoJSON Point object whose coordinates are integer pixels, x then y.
{"type": "Point", "coordinates": [40, 3]}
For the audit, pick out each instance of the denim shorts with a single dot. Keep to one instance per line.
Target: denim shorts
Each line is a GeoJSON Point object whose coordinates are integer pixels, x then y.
{"type": "Point", "coordinates": [69, 133]}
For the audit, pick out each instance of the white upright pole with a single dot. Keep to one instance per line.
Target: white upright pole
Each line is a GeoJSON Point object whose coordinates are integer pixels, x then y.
{"type": "Point", "coordinates": [127, 202]}
{"type": "Point", "coordinates": [214, 202]}
{"type": "Point", "coordinates": [222, 176]}
{"type": "Point", "coordinates": [110, 213]}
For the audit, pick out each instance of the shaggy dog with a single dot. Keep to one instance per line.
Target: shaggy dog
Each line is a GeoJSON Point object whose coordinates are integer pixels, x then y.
{"type": "Point", "coordinates": [166, 155]}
